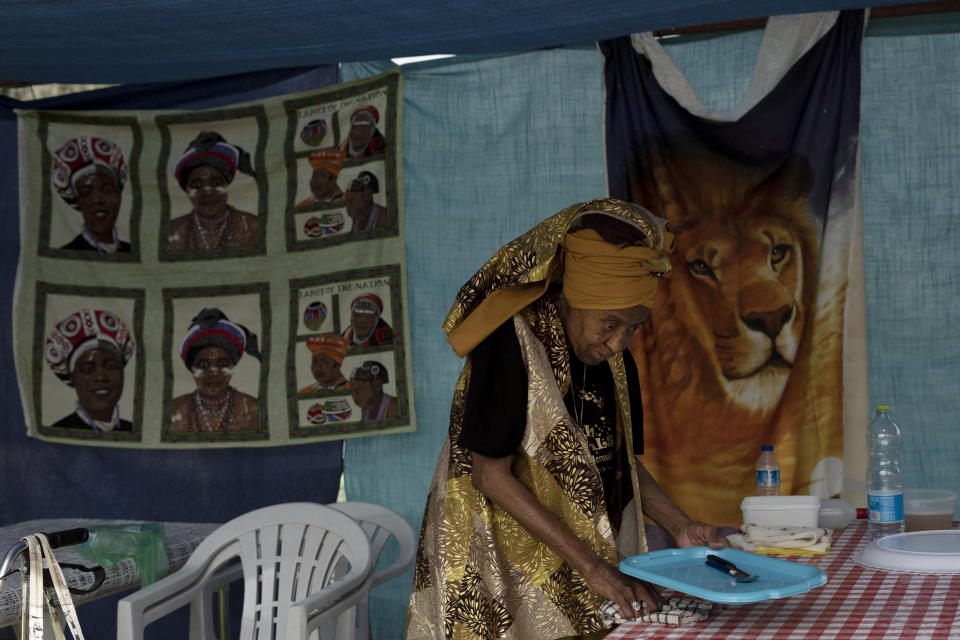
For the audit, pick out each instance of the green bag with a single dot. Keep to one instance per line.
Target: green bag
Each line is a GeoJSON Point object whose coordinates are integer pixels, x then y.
{"type": "Point", "coordinates": [144, 542]}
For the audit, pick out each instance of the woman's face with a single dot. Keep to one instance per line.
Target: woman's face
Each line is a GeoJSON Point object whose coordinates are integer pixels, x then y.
{"type": "Point", "coordinates": [322, 182]}
{"type": "Point", "coordinates": [207, 190]}
{"type": "Point", "coordinates": [212, 370]}
{"type": "Point", "coordinates": [98, 198]}
{"type": "Point", "coordinates": [324, 368]}
{"type": "Point", "coordinates": [596, 334]}
{"type": "Point", "coordinates": [357, 201]}
{"type": "Point", "coordinates": [363, 323]}
{"type": "Point", "coordinates": [365, 392]}
{"type": "Point", "coordinates": [97, 377]}
{"type": "Point", "coordinates": [360, 133]}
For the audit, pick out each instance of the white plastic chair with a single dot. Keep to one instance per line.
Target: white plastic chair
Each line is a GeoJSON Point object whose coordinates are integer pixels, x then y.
{"type": "Point", "coordinates": [380, 524]}
{"type": "Point", "coordinates": [291, 560]}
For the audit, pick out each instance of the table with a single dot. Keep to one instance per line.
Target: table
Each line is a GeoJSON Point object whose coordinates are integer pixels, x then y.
{"type": "Point", "coordinates": [181, 539]}
{"type": "Point", "coordinates": [857, 603]}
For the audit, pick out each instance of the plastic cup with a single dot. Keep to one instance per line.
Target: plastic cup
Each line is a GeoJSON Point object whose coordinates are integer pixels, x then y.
{"type": "Point", "coordinates": [926, 509]}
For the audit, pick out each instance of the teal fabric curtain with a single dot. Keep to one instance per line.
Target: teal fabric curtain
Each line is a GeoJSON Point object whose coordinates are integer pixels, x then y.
{"type": "Point", "coordinates": [494, 145]}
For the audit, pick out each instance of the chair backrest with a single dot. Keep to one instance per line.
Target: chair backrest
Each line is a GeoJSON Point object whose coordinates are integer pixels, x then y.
{"type": "Point", "coordinates": [380, 523]}
{"type": "Point", "coordinates": [287, 552]}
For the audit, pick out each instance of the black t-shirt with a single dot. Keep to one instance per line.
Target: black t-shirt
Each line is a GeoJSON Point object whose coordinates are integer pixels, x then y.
{"type": "Point", "coordinates": [495, 416]}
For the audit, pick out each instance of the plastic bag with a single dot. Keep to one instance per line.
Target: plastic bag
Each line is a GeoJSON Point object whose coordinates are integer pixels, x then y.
{"type": "Point", "coordinates": [144, 542]}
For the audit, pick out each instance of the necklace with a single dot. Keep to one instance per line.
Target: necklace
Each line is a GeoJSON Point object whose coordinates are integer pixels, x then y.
{"type": "Point", "coordinates": [580, 396]}
{"type": "Point", "coordinates": [210, 238]}
{"type": "Point", "coordinates": [99, 425]}
{"type": "Point", "coordinates": [217, 418]}
{"type": "Point", "coordinates": [101, 247]}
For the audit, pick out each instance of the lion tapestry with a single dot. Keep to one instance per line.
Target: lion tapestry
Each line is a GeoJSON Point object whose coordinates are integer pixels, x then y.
{"type": "Point", "coordinates": [748, 338]}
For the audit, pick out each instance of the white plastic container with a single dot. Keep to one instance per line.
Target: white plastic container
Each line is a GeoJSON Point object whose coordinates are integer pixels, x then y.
{"type": "Point", "coordinates": [928, 508]}
{"type": "Point", "coordinates": [781, 511]}
{"type": "Point", "coordinates": [835, 513]}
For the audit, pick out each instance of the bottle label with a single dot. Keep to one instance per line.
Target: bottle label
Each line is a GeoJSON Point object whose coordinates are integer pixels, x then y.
{"type": "Point", "coordinates": [885, 507]}
{"type": "Point", "coordinates": [768, 477]}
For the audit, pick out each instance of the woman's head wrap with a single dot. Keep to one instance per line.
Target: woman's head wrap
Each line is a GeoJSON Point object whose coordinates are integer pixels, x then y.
{"type": "Point", "coordinates": [370, 371]}
{"type": "Point", "coordinates": [332, 345]}
{"type": "Point", "coordinates": [364, 180]}
{"type": "Point", "coordinates": [330, 160]}
{"type": "Point", "coordinates": [367, 114]}
{"type": "Point", "coordinates": [82, 331]}
{"type": "Point", "coordinates": [521, 270]}
{"type": "Point", "coordinates": [211, 150]}
{"type": "Point", "coordinates": [212, 328]}
{"type": "Point", "coordinates": [601, 275]}
{"type": "Point", "coordinates": [367, 303]}
{"type": "Point", "coordinates": [81, 157]}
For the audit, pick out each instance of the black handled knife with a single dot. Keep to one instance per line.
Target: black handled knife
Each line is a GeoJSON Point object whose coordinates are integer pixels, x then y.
{"type": "Point", "coordinates": [727, 567]}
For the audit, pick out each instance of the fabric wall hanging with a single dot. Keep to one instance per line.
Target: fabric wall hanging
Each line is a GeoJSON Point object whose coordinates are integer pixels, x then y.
{"type": "Point", "coordinates": [216, 278]}
{"type": "Point", "coordinates": [758, 335]}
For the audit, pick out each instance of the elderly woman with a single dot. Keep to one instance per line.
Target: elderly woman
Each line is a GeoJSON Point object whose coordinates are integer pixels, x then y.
{"type": "Point", "coordinates": [89, 350]}
{"type": "Point", "coordinates": [205, 172]}
{"type": "Point", "coordinates": [210, 350]}
{"type": "Point", "coordinates": [89, 174]}
{"type": "Point", "coordinates": [327, 353]}
{"type": "Point", "coordinates": [367, 328]}
{"type": "Point", "coordinates": [539, 490]}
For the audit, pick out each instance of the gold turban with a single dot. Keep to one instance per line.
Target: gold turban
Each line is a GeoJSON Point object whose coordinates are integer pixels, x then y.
{"type": "Point", "coordinates": [330, 160]}
{"type": "Point", "coordinates": [600, 275]}
{"type": "Point", "coordinates": [329, 344]}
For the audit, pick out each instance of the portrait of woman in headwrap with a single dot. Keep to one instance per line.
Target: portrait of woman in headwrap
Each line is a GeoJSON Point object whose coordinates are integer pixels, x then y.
{"type": "Point", "coordinates": [366, 389]}
{"type": "Point", "coordinates": [89, 174]}
{"type": "Point", "coordinates": [210, 350]}
{"type": "Point", "coordinates": [327, 351]}
{"type": "Point", "coordinates": [364, 138]}
{"type": "Point", "coordinates": [205, 172]}
{"type": "Point", "coordinates": [367, 327]}
{"type": "Point", "coordinates": [326, 165]}
{"type": "Point", "coordinates": [88, 350]}
{"type": "Point", "coordinates": [363, 211]}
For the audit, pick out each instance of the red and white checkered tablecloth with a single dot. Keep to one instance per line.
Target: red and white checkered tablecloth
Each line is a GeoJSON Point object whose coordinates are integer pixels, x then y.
{"type": "Point", "coordinates": [857, 603]}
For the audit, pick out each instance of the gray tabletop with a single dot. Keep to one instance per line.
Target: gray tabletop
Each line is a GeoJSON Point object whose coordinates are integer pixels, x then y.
{"type": "Point", "coordinates": [181, 539]}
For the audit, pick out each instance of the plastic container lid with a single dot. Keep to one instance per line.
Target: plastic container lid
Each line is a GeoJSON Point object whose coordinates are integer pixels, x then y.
{"type": "Point", "coordinates": [929, 500]}
{"type": "Point", "coordinates": [685, 570]}
{"type": "Point", "coordinates": [766, 447]}
{"type": "Point", "coordinates": [916, 552]}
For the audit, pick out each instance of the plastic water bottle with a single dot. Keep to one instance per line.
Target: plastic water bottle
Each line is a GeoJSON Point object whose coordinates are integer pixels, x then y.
{"type": "Point", "coordinates": [884, 486]}
{"type": "Point", "coordinates": [768, 472]}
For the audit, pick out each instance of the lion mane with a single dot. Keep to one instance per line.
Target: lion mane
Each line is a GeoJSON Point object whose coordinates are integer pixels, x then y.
{"type": "Point", "coordinates": [722, 355]}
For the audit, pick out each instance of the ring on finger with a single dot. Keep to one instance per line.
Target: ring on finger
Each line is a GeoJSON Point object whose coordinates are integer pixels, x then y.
{"type": "Point", "coordinates": [637, 606]}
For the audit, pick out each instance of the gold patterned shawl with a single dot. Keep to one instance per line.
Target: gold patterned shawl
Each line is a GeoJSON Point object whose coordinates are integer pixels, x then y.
{"type": "Point", "coordinates": [479, 573]}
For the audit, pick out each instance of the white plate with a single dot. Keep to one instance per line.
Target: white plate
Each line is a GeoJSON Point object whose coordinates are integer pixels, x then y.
{"type": "Point", "coordinates": [917, 552]}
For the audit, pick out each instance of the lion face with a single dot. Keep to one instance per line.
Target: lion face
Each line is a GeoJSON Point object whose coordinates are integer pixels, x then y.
{"type": "Point", "coordinates": [735, 308]}
{"type": "Point", "coordinates": [745, 282]}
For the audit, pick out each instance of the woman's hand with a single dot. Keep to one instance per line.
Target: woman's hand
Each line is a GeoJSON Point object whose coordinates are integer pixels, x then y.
{"type": "Point", "coordinates": [698, 534]}
{"type": "Point", "coordinates": [626, 591]}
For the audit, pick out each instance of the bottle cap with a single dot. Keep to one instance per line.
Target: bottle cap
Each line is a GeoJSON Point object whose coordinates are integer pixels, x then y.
{"type": "Point", "coordinates": [766, 447]}
{"type": "Point", "coordinates": [883, 408]}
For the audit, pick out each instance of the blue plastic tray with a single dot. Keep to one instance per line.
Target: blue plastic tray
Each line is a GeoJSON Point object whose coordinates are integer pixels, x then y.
{"type": "Point", "coordinates": [685, 570]}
